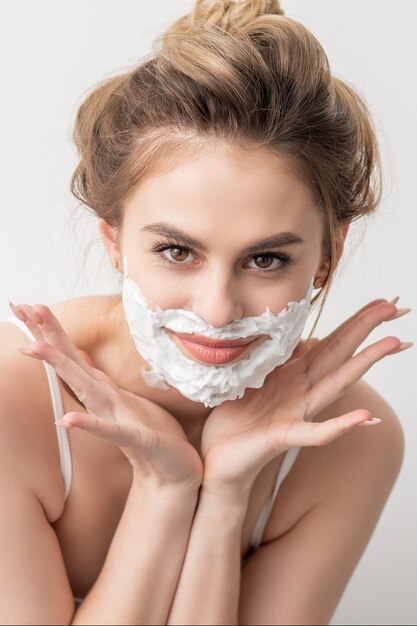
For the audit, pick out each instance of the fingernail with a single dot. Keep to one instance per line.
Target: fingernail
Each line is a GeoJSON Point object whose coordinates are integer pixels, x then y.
{"type": "Point", "coordinates": [64, 424]}
{"type": "Point", "coordinates": [19, 314]}
{"type": "Point", "coordinates": [395, 300]}
{"type": "Point", "coordinates": [400, 313]}
{"type": "Point", "coordinates": [404, 345]}
{"type": "Point", "coordinates": [371, 422]}
{"type": "Point", "coordinates": [26, 351]}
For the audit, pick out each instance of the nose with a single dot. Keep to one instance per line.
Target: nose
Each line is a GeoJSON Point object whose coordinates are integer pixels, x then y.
{"type": "Point", "coordinates": [217, 302]}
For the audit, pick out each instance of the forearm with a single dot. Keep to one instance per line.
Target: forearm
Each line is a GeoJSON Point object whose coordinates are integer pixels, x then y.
{"type": "Point", "coordinates": [209, 584]}
{"type": "Point", "coordinates": [138, 579]}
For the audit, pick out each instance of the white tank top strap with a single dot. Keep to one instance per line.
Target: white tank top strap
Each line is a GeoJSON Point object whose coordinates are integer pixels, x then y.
{"type": "Point", "coordinates": [63, 442]}
{"type": "Point", "coordinates": [286, 465]}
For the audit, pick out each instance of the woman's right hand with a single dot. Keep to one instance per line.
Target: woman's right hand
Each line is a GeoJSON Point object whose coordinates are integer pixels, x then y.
{"type": "Point", "coordinates": [150, 437]}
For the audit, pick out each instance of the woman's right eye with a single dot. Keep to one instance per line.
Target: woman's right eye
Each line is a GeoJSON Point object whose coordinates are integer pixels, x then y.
{"type": "Point", "coordinates": [178, 252]}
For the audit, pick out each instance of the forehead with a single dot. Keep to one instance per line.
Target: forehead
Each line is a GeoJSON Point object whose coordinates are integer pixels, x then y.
{"type": "Point", "coordinates": [233, 191]}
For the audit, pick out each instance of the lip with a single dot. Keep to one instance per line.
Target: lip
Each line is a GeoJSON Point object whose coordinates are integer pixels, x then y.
{"type": "Point", "coordinates": [216, 356]}
{"type": "Point", "coordinates": [214, 343]}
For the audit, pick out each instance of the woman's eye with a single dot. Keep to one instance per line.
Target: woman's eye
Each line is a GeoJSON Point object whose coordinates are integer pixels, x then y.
{"type": "Point", "coordinates": [266, 261]}
{"type": "Point", "coordinates": [178, 255]}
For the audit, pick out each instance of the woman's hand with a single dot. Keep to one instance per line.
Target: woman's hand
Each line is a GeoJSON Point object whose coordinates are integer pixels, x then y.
{"type": "Point", "coordinates": [152, 439]}
{"type": "Point", "coordinates": [240, 437]}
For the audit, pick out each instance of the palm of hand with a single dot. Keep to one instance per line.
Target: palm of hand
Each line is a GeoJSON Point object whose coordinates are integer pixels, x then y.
{"type": "Point", "coordinates": [150, 437]}
{"type": "Point", "coordinates": [163, 432]}
{"type": "Point", "coordinates": [235, 425]}
{"type": "Point", "coordinates": [241, 436]}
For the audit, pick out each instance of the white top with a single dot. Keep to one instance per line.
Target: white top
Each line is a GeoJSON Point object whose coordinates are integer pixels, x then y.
{"type": "Point", "coordinates": [63, 444]}
{"type": "Point", "coordinates": [65, 454]}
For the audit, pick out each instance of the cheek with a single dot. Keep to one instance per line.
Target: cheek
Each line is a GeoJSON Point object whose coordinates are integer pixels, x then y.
{"type": "Point", "coordinates": [163, 294]}
{"type": "Point", "coordinates": [280, 303]}
{"type": "Point", "coordinates": [281, 295]}
{"type": "Point", "coordinates": [276, 294]}
{"type": "Point", "coordinates": [157, 291]}
{"type": "Point", "coordinates": [166, 294]}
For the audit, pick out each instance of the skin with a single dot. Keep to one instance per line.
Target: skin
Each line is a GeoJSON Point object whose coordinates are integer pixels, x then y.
{"type": "Point", "coordinates": [207, 198]}
{"type": "Point", "coordinates": [210, 199]}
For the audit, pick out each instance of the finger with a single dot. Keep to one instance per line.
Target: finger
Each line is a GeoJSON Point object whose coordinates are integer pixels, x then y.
{"type": "Point", "coordinates": [343, 342]}
{"type": "Point", "coordinates": [326, 341]}
{"type": "Point", "coordinates": [50, 330]}
{"type": "Point", "coordinates": [105, 429]}
{"type": "Point", "coordinates": [133, 441]}
{"type": "Point", "coordinates": [335, 383]}
{"type": "Point", "coordinates": [98, 397]}
{"type": "Point", "coordinates": [308, 433]}
{"type": "Point", "coordinates": [21, 313]}
{"type": "Point", "coordinates": [404, 346]}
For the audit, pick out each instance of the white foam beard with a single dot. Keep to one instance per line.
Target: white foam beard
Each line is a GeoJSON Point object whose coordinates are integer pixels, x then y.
{"type": "Point", "coordinates": [201, 382]}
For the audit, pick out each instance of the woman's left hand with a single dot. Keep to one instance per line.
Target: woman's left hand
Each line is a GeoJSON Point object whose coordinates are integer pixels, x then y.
{"type": "Point", "coordinates": [241, 436]}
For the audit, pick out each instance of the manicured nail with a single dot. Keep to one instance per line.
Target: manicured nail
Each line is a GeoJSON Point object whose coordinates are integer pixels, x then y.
{"type": "Point", "coordinates": [64, 424]}
{"type": "Point", "coordinates": [19, 314]}
{"type": "Point", "coordinates": [26, 351]}
{"type": "Point", "coordinates": [395, 300]}
{"type": "Point", "coordinates": [404, 345]}
{"type": "Point", "coordinates": [371, 422]}
{"type": "Point", "coordinates": [399, 313]}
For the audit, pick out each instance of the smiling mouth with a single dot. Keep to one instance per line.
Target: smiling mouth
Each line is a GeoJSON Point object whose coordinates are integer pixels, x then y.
{"type": "Point", "coordinates": [215, 343]}
{"type": "Point", "coordinates": [215, 352]}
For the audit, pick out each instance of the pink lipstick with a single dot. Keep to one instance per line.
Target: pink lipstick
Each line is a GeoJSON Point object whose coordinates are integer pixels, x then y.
{"type": "Point", "coordinates": [215, 351]}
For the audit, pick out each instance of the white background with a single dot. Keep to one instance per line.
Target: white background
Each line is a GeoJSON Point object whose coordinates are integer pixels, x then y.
{"type": "Point", "coordinates": [51, 53]}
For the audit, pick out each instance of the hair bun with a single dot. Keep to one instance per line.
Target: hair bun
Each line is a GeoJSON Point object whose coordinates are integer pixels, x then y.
{"type": "Point", "coordinates": [228, 15]}
{"type": "Point", "coordinates": [239, 75]}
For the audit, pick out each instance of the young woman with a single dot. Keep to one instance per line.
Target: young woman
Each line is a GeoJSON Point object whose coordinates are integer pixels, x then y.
{"type": "Point", "coordinates": [218, 477]}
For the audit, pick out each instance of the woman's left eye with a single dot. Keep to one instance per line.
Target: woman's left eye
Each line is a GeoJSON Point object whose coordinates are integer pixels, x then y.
{"type": "Point", "coordinates": [263, 259]}
{"type": "Point", "coordinates": [282, 260]}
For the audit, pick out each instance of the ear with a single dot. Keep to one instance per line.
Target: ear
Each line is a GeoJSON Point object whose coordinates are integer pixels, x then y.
{"type": "Point", "coordinates": [109, 236]}
{"type": "Point", "coordinates": [341, 236]}
{"type": "Point", "coordinates": [323, 270]}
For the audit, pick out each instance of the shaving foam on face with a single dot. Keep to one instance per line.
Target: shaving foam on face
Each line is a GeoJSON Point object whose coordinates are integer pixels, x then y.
{"type": "Point", "coordinates": [204, 382]}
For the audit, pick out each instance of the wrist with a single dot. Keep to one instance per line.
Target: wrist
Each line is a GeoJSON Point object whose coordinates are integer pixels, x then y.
{"type": "Point", "coordinates": [229, 499]}
{"type": "Point", "coordinates": [170, 493]}
{"type": "Point", "coordinates": [235, 492]}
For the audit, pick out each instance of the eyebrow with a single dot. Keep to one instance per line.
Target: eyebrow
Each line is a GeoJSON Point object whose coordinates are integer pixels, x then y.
{"type": "Point", "coordinates": [273, 241]}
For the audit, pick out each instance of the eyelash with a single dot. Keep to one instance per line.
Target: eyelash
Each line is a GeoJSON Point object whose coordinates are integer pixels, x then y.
{"type": "Point", "coordinates": [159, 247]}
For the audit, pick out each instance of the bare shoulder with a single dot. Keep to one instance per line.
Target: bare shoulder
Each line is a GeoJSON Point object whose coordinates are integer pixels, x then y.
{"type": "Point", "coordinates": [31, 492]}
{"type": "Point", "coordinates": [84, 319]}
{"type": "Point", "coordinates": [349, 465]}
{"type": "Point", "coordinates": [27, 428]}
{"type": "Point", "coordinates": [362, 445]}
{"type": "Point", "coordinates": [385, 441]}
{"type": "Point", "coordinates": [330, 502]}
{"type": "Point", "coordinates": [29, 449]}
{"type": "Point", "coordinates": [373, 453]}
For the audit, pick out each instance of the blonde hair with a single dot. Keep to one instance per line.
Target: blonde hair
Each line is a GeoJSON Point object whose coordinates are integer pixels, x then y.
{"type": "Point", "coordinates": [245, 75]}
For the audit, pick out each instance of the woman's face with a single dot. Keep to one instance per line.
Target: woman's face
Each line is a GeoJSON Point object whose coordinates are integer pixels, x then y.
{"type": "Point", "coordinates": [228, 204]}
